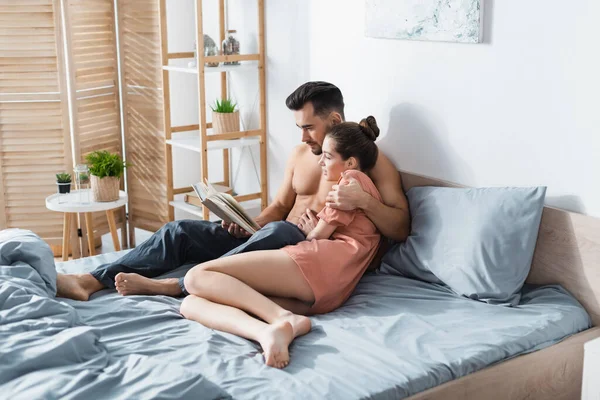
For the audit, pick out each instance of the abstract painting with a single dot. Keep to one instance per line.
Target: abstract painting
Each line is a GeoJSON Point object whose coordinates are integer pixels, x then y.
{"type": "Point", "coordinates": [438, 20]}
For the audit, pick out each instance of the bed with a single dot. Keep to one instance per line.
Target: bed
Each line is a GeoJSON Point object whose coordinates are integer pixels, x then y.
{"type": "Point", "coordinates": [395, 338]}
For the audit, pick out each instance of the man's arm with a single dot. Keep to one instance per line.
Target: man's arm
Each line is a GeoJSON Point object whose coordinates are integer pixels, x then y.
{"type": "Point", "coordinates": [391, 217]}
{"type": "Point", "coordinates": [284, 200]}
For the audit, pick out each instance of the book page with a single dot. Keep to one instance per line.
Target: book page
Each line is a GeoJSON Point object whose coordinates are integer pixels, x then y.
{"type": "Point", "coordinates": [225, 206]}
{"type": "Point", "coordinates": [233, 214]}
{"type": "Point", "coordinates": [240, 210]}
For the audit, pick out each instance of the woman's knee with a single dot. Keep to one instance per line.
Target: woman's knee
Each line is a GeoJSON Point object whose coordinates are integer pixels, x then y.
{"type": "Point", "coordinates": [198, 279]}
{"type": "Point", "coordinates": [186, 306]}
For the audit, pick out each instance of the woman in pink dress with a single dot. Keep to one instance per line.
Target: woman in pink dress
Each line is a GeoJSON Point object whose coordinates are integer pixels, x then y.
{"type": "Point", "coordinates": [252, 294]}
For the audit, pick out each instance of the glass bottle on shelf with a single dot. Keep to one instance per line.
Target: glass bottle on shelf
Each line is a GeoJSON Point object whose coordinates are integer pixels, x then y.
{"type": "Point", "coordinates": [231, 46]}
{"type": "Point", "coordinates": [82, 183]}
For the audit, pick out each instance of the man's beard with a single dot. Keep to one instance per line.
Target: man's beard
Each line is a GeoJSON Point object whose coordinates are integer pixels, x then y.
{"type": "Point", "coordinates": [317, 151]}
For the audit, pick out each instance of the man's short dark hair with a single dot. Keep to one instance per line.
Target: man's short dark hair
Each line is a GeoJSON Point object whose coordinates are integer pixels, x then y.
{"type": "Point", "coordinates": [324, 97]}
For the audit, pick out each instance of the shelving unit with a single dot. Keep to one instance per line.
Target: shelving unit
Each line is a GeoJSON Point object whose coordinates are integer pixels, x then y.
{"type": "Point", "coordinates": [207, 141]}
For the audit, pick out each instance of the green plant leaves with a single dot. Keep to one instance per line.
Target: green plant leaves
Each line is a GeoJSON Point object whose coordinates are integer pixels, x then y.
{"type": "Point", "coordinates": [225, 106]}
{"type": "Point", "coordinates": [103, 164]}
{"type": "Point", "coordinates": [63, 178]}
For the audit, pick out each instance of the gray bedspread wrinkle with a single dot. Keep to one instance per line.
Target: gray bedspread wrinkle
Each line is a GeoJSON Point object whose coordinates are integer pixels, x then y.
{"type": "Point", "coordinates": [48, 352]}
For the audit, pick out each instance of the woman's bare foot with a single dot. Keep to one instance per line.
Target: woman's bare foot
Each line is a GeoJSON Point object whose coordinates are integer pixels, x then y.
{"type": "Point", "coordinates": [301, 325]}
{"type": "Point", "coordinates": [128, 284]}
{"type": "Point", "coordinates": [275, 340]}
{"type": "Point", "coordinates": [77, 286]}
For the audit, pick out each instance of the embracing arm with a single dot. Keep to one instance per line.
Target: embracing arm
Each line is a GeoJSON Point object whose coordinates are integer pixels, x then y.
{"type": "Point", "coordinates": [391, 217]}
{"type": "Point", "coordinates": [285, 198]}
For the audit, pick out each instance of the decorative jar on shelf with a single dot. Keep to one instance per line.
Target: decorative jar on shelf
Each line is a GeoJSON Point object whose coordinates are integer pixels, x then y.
{"type": "Point", "coordinates": [231, 46]}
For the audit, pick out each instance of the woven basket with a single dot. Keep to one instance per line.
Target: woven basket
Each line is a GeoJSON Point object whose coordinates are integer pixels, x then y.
{"type": "Point", "coordinates": [226, 122]}
{"type": "Point", "coordinates": [105, 189]}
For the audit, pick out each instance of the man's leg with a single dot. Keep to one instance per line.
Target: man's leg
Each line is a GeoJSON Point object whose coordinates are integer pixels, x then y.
{"type": "Point", "coordinates": [272, 236]}
{"type": "Point", "coordinates": [175, 244]}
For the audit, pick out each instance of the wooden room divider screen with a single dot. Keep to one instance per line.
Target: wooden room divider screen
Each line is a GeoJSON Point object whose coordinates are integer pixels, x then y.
{"type": "Point", "coordinates": [42, 47]}
{"type": "Point", "coordinates": [35, 139]}
{"type": "Point", "coordinates": [141, 70]}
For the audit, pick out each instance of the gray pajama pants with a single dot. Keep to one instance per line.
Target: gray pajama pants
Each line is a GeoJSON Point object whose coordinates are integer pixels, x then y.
{"type": "Point", "coordinates": [192, 242]}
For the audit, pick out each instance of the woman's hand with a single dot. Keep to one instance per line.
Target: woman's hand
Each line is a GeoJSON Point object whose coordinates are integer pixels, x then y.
{"type": "Point", "coordinates": [308, 222]}
{"type": "Point", "coordinates": [235, 230]}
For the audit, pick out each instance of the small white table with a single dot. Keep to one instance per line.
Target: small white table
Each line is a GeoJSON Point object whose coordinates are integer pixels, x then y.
{"type": "Point", "coordinates": [70, 205]}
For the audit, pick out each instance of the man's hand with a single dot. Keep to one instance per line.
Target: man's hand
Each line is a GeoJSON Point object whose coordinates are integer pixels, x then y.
{"type": "Point", "coordinates": [308, 222]}
{"type": "Point", "coordinates": [235, 230]}
{"type": "Point", "coordinates": [347, 196]}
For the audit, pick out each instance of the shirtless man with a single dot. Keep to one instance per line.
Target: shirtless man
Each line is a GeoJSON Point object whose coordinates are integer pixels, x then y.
{"type": "Point", "coordinates": [292, 214]}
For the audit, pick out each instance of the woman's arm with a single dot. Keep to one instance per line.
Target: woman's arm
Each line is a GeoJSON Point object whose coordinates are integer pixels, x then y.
{"type": "Point", "coordinates": [322, 231]}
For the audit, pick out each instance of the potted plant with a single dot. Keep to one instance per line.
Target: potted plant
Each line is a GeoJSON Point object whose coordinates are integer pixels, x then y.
{"type": "Point", "coordinates": [106, 170]}
{"type": "Point", "coordinates": [63, 181]}
{"type": "Point", "coordinates": [225, 118]}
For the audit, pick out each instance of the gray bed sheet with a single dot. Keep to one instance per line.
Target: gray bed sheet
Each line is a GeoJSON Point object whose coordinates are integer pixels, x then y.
{"type": "Point", "coordinates": [394, 337]}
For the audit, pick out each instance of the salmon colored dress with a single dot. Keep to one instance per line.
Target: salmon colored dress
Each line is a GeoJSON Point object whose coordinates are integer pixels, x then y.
{"type": "Point", "coordinates": [333, 267]}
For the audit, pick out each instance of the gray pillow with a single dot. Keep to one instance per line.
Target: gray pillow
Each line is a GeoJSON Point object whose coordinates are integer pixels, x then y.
{"type": "Point", "coordinates": [479, 242]}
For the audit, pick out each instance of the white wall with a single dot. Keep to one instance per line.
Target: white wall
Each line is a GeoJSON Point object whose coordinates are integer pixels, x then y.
{"type": "Point", "coordinates": [288, 66]}
{"type": "Point", "coordinates": [519, 109]}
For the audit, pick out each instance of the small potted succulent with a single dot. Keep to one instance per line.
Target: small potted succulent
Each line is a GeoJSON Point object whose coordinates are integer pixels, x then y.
{"type": "Point", "coordinates": [225, 117]}
{"type": "Point", "coordinates": [106, 170]}
{"type": "Point", "coordinates": [63, 181]}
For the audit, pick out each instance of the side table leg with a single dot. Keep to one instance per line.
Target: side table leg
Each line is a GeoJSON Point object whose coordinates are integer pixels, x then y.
{"type": "Point", "coordinates": [66, 235]}
{"type": "Point", "coordinates": [90, 232]}
{"type": "Point", "coordinates": [110, 215]}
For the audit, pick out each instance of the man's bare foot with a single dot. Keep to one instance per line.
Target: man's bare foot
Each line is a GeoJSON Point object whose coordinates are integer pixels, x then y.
{"type": "Point", "coordinates": [275, 340]}
{"type": "Point", "coordinates": [301, 325]}
{"type": "Point", "coordinates": [128, 284]}
{"type": "Point", "coordinates": [77, 286]}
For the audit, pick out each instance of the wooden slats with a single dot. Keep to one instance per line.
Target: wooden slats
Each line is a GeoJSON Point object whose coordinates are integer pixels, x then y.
{"type": "Point", "coordinates": [173, 56]}
{"type": "Point", "coordinates": [32, 144]}
{"type": "Point", "coordinates": [142, 101]}
{"type": "Point", "coordinates": [91, 41]}
{"type": "Point", "coordinates": [34, 132]}
{"type": "Point", "coordinates": [28, 58]}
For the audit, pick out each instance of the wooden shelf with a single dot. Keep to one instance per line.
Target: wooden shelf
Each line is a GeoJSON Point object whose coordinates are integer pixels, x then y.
{"type": "Point", "coordinates": [193, 143]}
{"type": "Point", "coordinates": [246, 66]}
{"type": "Point", "coordinates": [224, 140]}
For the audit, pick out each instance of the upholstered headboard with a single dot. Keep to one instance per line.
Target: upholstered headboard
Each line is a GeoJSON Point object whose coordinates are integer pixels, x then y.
{"type": "Point", "coordinates": [567, 250]}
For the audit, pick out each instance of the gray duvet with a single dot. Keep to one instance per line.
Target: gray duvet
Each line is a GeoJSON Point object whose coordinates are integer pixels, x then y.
{"type": "Point", "coordinates": [395, 337]}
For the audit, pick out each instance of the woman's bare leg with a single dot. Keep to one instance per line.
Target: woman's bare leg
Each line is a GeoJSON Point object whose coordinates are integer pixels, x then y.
{"type": "Point", "coordinates": [273, 338]}
{"type": "Point", "coordinates": [294, 306]}
{"type": "Point", "coordinates": [243, 282]}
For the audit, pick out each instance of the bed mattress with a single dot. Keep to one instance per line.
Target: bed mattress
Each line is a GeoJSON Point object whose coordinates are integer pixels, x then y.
{"type": "Point", "coordinates": [394, 337]}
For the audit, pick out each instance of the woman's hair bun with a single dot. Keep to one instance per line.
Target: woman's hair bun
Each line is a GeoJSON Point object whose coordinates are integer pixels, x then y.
{"type": "Point", "coordinates": [369, 127]}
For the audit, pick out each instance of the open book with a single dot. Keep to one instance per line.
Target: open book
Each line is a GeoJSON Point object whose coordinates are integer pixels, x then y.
{"type": "Point", "coordinates": [224, 206]}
